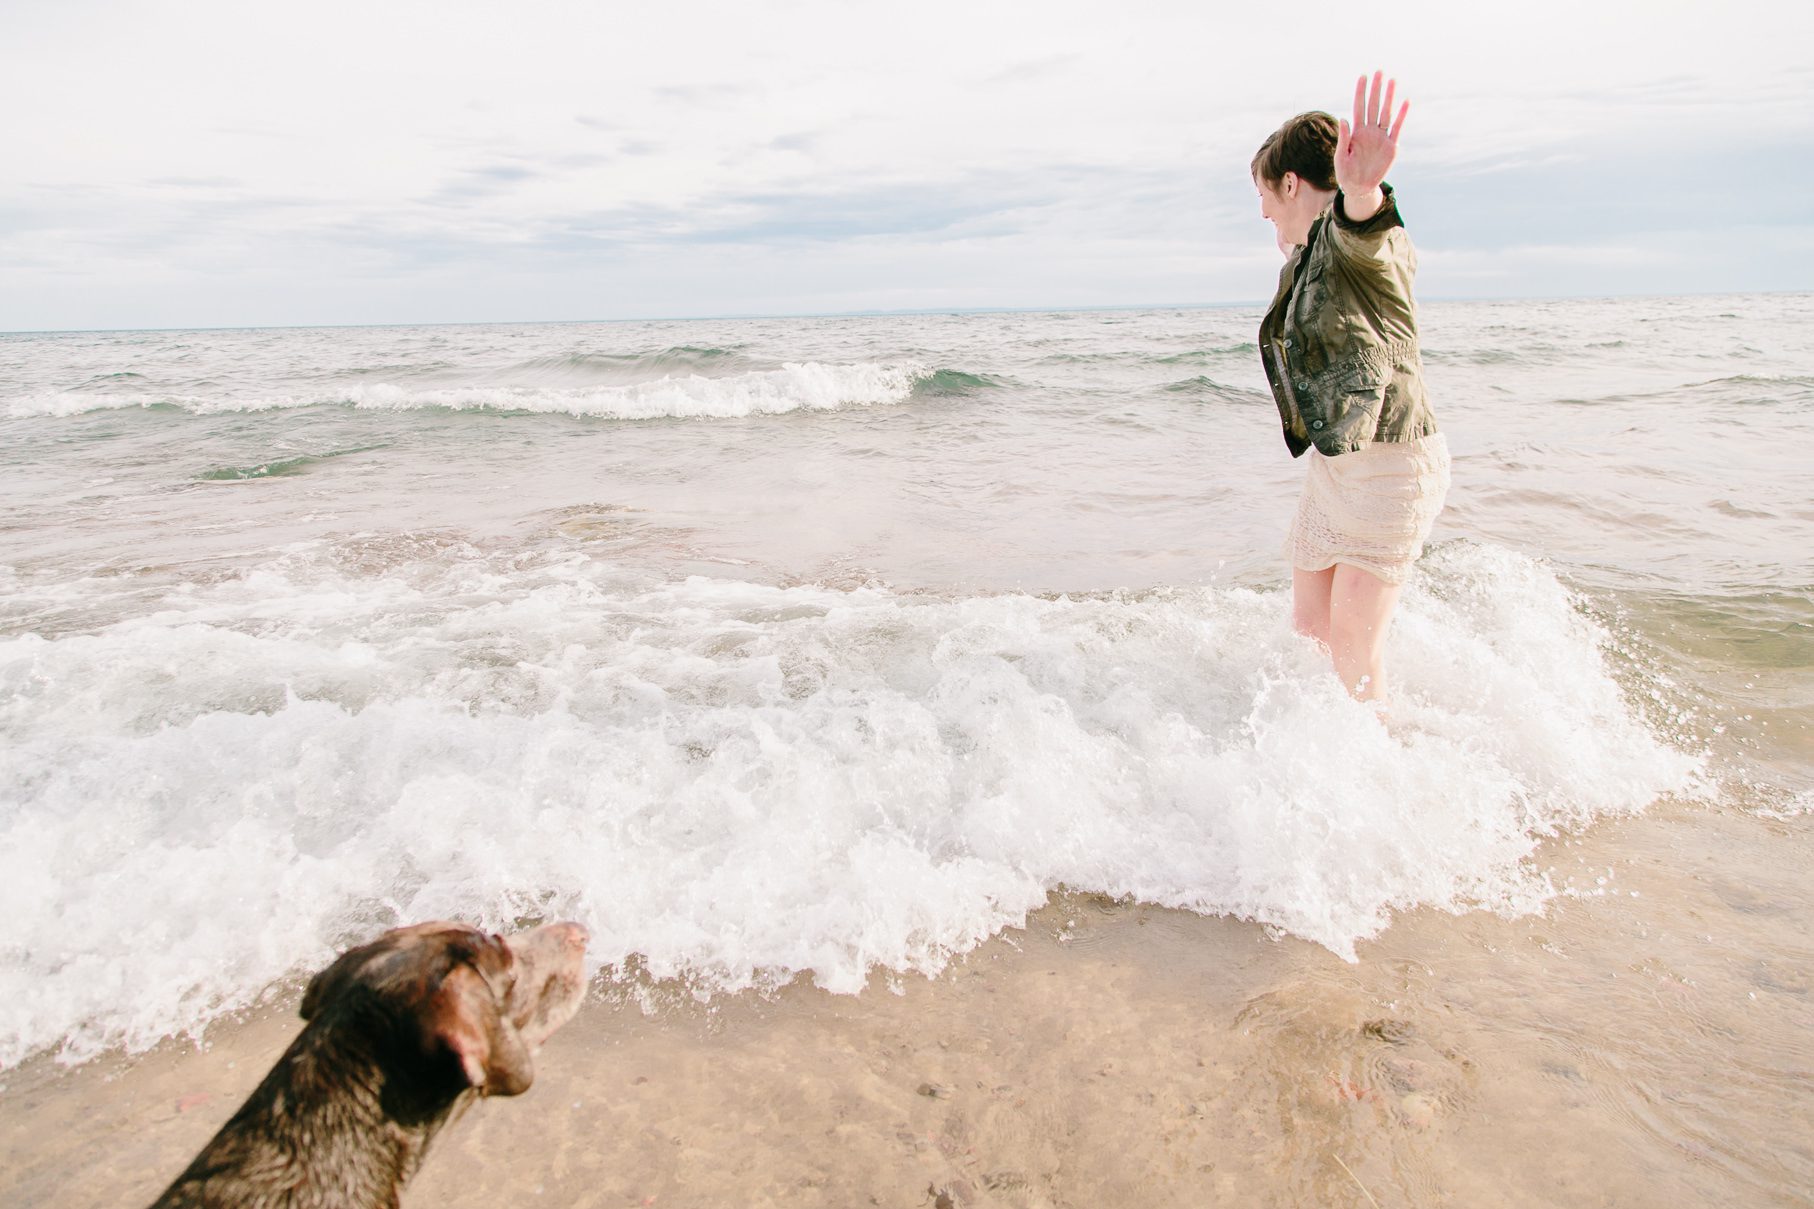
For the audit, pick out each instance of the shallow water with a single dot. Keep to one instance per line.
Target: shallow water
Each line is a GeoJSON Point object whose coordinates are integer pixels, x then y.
{"type": "Point", "coordinates": [830, 647]}
{"type": "Point", "coordinates": [1114, 1053]}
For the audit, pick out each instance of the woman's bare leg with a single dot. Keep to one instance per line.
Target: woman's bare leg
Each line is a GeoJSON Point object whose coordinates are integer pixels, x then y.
{"type": "Point", "coordinates": [1360, 608]}
{"type": "Point", "coordinates": [1310, 602]}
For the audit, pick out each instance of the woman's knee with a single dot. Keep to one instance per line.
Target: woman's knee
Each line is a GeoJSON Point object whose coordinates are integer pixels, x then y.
{"type": "Point", "coordinates": [1311, 623]}
{"type": "Point", "coordinates": [1359, 623]}
{"type": "Point", "coordinates": [1353, 630]}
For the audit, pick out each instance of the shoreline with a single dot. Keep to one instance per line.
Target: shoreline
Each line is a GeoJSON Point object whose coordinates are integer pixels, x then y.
{"type": "Point", "coordinates": [1639, 1046]}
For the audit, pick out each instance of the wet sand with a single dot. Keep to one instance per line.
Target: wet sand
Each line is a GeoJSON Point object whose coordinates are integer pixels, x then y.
{"type": "Point", "coordinates": [1649, 1041]}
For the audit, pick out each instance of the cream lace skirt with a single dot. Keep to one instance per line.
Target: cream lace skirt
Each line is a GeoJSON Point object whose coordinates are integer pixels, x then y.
{"type": "Point", "coordinates": [1371, 509]}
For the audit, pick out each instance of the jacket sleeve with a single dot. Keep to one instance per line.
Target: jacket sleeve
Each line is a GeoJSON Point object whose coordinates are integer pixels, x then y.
{"type": "Point", "coordinates": [1368, 244]}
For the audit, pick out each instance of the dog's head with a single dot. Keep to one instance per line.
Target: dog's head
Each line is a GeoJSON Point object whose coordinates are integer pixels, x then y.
{"type": "Point", "coordinates": [486, 1002]}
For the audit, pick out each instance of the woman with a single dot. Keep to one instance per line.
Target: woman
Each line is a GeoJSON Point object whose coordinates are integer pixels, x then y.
{"type": "Point", "coordinates": [1340, 347]}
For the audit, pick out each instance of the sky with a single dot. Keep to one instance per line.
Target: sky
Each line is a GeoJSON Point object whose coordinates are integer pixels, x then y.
{"type": "Point", "coordinates": [213, 163]}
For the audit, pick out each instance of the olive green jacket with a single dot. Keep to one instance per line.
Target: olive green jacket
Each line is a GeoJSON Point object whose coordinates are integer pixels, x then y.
{"type": "Point", "coordinates": [1340, 339]}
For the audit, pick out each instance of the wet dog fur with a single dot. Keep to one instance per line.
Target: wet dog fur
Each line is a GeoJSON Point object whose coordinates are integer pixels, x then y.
{"type": "Point", "coordinates": [401, 1032]}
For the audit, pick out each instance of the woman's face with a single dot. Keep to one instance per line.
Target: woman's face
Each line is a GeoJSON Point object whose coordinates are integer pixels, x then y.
{"type": "Point", "coordinates": [1288, 209]}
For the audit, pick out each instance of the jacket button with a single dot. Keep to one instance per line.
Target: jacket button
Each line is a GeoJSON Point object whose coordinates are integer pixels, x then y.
{"type": "Point", "coordinates": [1288, 342]}
{"type": "Point", "coordinates": [1316, 423]}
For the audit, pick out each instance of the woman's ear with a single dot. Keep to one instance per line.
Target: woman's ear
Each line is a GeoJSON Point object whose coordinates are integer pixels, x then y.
{"type": "Point", "coordinates": [1288, 185]}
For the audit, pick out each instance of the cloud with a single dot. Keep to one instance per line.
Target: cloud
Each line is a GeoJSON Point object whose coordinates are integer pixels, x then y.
{"type": "Point", "coordinates": [705, 94]}
{"type": "Point", "coordinates": [479, 184]}
{"type": "Point", "coordinates": [1043, 68]}
{"type": "Point", "coordinates": [196, 182]}
{"type": "Point", "coordinates": [1591, 189]}
{"type": "Point", "coordinates": [803, 141]}
{"type": "Point", "coordinates": [807, 154]}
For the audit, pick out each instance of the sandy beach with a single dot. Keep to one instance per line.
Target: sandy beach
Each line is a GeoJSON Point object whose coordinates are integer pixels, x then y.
{"type": "Point", "coordinates": [1646, 1043]}
{"type": "Point", "coordinates": [802, 492]}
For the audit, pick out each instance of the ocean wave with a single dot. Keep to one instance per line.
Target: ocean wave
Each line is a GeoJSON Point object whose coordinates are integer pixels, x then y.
{"type": "Point", "coordinates": [1208, 388]}
{"type": "Point", "coordinates": [1734, 390]}
{"type": "Point", "coordinates": [123, 379]}
{"type": "Point", "coordinates": [277, 467]}
{"type": "Point", "coordinates": [946, 383]}
{"type": "Point", "coordinates": [1760, 388]}
{"type": "Point", "coordinates": [626, 368]}
{"type": "Point", "coordinates": [803, 386]}
{"type": "Point", "coordinates": [732, 784]}
{"type": "Point", "coordinates": [1210, 356]}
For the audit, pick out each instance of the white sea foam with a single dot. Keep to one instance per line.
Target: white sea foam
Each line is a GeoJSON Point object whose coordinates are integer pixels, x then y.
{"type": "Point", "coordinates": [802, 386]}
{"type": "Point", "coordinates": [740, 782]}
{"type": "Point", "coordinates": [1786, 805]}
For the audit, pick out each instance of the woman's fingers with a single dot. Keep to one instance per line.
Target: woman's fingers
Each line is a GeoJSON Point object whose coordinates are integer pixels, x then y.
{"type": "Point", "coordinates": [1371, 108]}
{"type": "Point", "coordinates": [1366, 148]}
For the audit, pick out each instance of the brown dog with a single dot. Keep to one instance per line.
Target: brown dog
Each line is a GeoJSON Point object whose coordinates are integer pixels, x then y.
{"type": "Point", "coordinates": [400, 1032]}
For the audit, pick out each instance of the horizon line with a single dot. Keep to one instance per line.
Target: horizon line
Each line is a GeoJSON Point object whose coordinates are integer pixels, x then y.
{"type": "Point", "coordinates": [747, 316]}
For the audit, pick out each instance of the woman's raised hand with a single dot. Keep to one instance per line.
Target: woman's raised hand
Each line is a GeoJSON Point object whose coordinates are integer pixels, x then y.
{"type": "Point", "coordinates": [1365, 148]}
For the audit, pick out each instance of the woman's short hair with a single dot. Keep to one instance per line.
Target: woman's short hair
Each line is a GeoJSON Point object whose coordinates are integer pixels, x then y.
{"type": "Point", "coordinates": [1305, 145]}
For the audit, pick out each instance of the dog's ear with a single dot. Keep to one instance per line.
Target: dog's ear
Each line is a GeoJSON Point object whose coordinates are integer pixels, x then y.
{"type": "Point", "coordinates": [463, 1018]}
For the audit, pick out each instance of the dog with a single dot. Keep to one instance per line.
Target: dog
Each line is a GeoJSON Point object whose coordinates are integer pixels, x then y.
{"type": "Point", "coordinates": [400, 1032]}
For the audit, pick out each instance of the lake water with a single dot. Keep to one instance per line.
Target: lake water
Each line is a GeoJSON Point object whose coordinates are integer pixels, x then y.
{"type": "Point", "coordinates": [829, 647]}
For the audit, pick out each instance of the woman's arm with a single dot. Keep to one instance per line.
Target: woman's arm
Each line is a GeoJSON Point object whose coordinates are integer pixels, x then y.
{"type": "Point", "coordinates": [1364, 151]}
